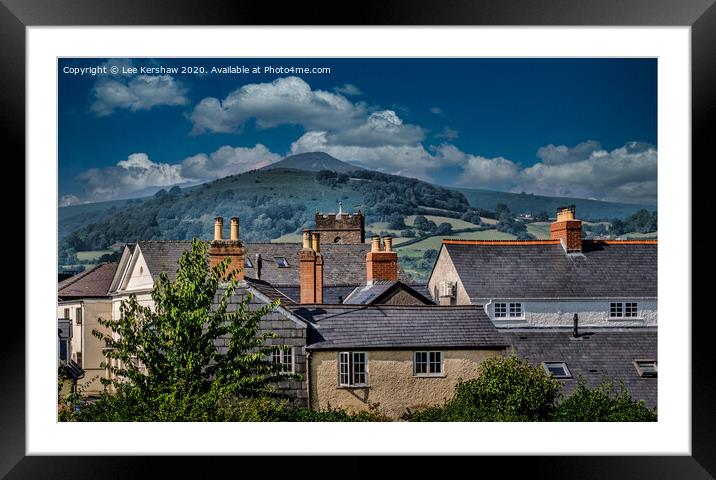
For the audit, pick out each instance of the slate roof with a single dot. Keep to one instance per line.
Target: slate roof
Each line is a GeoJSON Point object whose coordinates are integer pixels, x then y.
{"type": "Point", "coordinates": [331, 293]}
{"type": "Point", "coordinates": [268, 290]}
{"type": "Point", "coordinates": [92, 283]}
{"type": "Point", "coordinates": [370, 294]}
{"type": "Point", "coordinates": [544, 270]}
{"type": "Point", "coordinates": [398, 326]}
{"type": "Point", "coordinates": [344, 263]}
{"type": "Point", "coordinates": [598, 352]}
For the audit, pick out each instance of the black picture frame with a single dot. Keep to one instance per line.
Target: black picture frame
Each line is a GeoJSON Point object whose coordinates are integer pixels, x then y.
{"type": "Point", "coordinates": [700, 15]}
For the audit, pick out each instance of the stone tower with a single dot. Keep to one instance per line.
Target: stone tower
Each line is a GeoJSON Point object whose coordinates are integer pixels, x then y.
{"type": "Point", "coordinates": [341, 227]}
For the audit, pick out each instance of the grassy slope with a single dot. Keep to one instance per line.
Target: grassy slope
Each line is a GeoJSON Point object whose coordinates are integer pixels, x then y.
{"type": "Point", "coordinates": [527, 203]}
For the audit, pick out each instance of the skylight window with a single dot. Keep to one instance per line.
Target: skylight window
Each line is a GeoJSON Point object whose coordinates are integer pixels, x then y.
{"type": "Point", "coordinates": [281, 262]}
{"type": "Point", "coordinates": [557, 369]}
{"type": "Point", "coordinates": [646, 368]}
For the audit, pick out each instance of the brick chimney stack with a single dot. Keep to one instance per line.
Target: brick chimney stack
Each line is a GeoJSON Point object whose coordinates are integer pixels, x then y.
{"type": "Point", "coordinates": [567, 229]}
{"type": "Point", "coordinates": [311, 269]}
{"type": "Point", "coordinates": [232, 249]}
{"type": "Point", "coordinates": [381, 264]}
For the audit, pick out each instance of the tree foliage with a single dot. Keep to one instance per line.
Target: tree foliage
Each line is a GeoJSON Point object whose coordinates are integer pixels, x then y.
{"type": "Point", "coordinates": [510, 389]}
{"type": "Point", "coordinates": [605, 403]}
{"type": "Point", "coordinates": [167, 361]}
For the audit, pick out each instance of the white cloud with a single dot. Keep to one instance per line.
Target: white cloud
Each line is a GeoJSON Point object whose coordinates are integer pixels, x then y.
{"type": "Point", "coordinates": [558, 155]}
{"type": "Point", "coordinates": [67, 200]}
{"type": "Point", "coordinates": [228, 161]}
{"type": "Point", "coordinates": [436, 110]}
{"type": "Point", "coordinates": [447, 133]}
{"type": "Point", "coordinates": [348, 89]}
{"type": "Point", "coordinates": [140, 93]}
{"type": "Point", "coordinates": [134, 174]}
{"type": "Point", "coordinates": [625, 174]}
{"type": "Point", "coordinates": [287, 100]}
{"type": "Point", "coordinates": [137, 174]}
{"type": "Point", "coordinates": [411, 161]}
{"type": "Point", "coordinates": [380, 129]}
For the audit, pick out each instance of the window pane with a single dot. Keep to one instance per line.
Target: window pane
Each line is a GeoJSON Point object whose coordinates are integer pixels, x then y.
{"type": "Point", "coordinates": [421, 363]}
{"type": "Point", "coordinates": [500, 310]}
{"type": "Point", "coordinates": [630, 309]}
{"type": "Point", "coordinates": [343, 368]}
{"type": "Point", "coordinates": [515, 309]}
{"type": "Point", "coordinates": [359, 373]}
{"type": "Point", "coordinates": [615, 310]}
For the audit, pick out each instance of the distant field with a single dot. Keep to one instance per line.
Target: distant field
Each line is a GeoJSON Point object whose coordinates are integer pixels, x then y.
{"type": "Point", "coordinates": [640, 236]}
{"type": "Point", "coordinates": [455, 222]}
{"type": "Point", "coordinates": [488, 221]}
{"type": "Point", "coordinates": [436, 241]}
{"type": "Point", "coordinates": [289, 238]}
{"type": "Point", "coordinates": [539, 230]}
{"type": "Point", "coordinates": [92, 254]}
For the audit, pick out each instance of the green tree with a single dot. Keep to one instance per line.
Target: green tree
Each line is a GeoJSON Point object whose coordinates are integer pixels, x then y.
{"type": "Point", "coordinates": [170, 365]}
{"type": "Point", "coordinates": [507, 389]}
{"type": "Point", "coordinates": [605, 403]}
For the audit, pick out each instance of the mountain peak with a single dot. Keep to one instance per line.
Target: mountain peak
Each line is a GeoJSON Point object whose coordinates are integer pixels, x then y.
{"type": "Point", "coordinates": [313, 162]}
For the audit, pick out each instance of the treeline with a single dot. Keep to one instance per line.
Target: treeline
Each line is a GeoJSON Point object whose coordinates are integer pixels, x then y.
{"type": "Point", "coordinates": [182, 216]}
{"type": "Point", "coordinates": [384, 194]}
{"type": "Point", "coordinates": [642, 221]}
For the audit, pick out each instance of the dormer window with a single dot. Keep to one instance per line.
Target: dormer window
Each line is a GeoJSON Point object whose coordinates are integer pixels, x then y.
{"type": "Point", "coordinates": [508, 310]}
{"type": "Point", "coordinates": [281, 262]}
{"type": "Point", "coordinates": [623, 310]}
{"type": "Point", "coordinates": [646, 368]}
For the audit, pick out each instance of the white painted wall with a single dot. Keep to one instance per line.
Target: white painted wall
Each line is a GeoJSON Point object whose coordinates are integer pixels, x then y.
{"type": "Point", "coordinates": [560, 313]}
{"type": "Point", "coordinates": [139, 277]}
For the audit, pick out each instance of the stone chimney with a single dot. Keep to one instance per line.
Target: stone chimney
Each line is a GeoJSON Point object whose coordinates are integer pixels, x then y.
{"type": "Point", "coordinates": [311, 269]}
{"type": "Point", "coordinates": [381, 264]}
{"type": "Point", "coordinates": [567, 229]}
{"type": "Point", "coordinates": [232, 249]}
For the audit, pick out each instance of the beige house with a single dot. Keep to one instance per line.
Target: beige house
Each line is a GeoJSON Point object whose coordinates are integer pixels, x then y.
{"type": "Point", "coordinates": [555, 282]}
{"type": "Point", "coordinates": [393, 358]}
{"type": "Point", "coordinates": [82, 300]}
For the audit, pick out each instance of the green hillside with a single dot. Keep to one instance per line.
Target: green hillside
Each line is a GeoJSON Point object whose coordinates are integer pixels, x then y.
{"type": "Point", "coordinates": [270, 204]}
{"type": "Point", "coordinates": [528, 203]}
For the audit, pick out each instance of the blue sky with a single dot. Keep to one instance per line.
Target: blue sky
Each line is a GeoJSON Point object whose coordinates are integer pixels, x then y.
{"type": "Point", "coordinates": [571, 127]}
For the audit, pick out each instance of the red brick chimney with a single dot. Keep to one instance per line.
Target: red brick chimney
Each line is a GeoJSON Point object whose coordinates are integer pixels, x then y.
{"type": "Point", "coordinates": [381, 264]}
{"type": "Point", "coordinates": [311, 269]}
{"type": "Point", "coordinates": [232, 249]}
{"type": "Point", "coordinates": [567, 229]}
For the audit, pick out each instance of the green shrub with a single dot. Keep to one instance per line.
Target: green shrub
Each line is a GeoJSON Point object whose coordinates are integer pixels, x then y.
{"type": "Point", "coordinates": [602, 404]}
{"type": "Point", "coordinates": [507, 389]}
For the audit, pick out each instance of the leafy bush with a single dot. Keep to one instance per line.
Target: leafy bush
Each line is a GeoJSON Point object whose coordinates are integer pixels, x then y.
{"type": "Point", "coordinates": [507, 389]}
{"type": "Point", "coordinates": [602, 404]}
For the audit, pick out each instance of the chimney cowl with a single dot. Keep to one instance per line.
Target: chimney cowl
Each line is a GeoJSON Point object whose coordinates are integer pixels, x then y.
{"type": "Point", "coordinates": [234, 228]}
{"type": "Point", "coordinates": [218, 228]}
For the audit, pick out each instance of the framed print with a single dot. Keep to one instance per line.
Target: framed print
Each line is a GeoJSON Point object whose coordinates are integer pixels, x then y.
{"type": "Point", "coordinates": [518, 141]}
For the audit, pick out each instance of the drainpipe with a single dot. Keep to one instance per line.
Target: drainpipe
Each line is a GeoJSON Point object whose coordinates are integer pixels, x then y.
{"type": "Point", "coordinates": [308, 378]}
{"type": "Point", "coordinates": [487, 309]}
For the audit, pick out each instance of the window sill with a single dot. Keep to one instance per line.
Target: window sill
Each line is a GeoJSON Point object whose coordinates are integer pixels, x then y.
{"type": "Point", "coordinates": [352, 387]}
{"type": "Point", "coordinates": [626, 319]}
{"type": "Point", "coordinates": [441, 375]}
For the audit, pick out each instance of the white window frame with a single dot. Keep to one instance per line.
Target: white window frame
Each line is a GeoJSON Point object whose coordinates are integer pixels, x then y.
{"type": "Point", "coordinates": [78, 316]}
{"type": "Point", "coordinates": [561, 364]}
{"type": "Point", "coordinates": [346, 371]}
{"type": "Point", "coordinates": [428, 363]}
{"type": "Point", "coordinates": [285, 357]}
{"type": "Point", "coordinates": [621, 307]}
{"type": "Point", "coordinates": [508, 308]}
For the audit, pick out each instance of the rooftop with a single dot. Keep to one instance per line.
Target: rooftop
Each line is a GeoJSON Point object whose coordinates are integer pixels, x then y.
{"type": "Point", "coordinates": [598, 352]}
{"type": "Point", "coordinates": [91, 283]}
{"type": "Point", "coordinates": [542, 269]}
{"type": "Point", "coordinates": [394, 327]}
